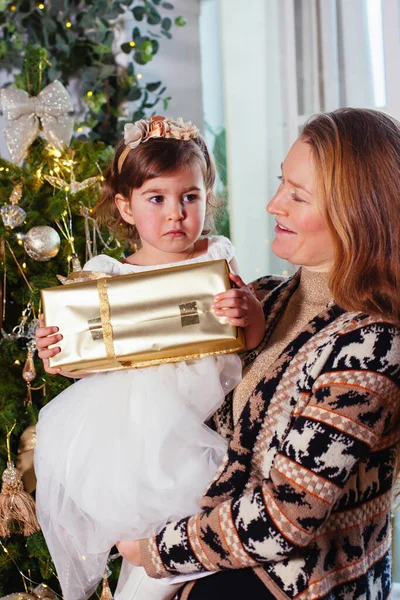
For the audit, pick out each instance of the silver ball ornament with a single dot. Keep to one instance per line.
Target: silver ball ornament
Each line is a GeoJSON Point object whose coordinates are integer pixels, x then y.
{"type": "Point", "coordinates": [42, 243]}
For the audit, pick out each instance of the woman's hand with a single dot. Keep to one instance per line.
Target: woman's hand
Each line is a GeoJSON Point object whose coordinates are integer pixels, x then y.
{"type": "Point", "coordinates": [45, 337]}
{"type": "Point", "coordinates": [242, 309]}
{"type": "Point", "coordinates": [130, 552]}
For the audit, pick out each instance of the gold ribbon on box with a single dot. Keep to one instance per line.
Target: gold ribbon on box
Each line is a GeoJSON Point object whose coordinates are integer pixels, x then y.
{"type": "Point", "coordinates": [141, 319]}
{"type": "Point", "coordinates": [105, 316]}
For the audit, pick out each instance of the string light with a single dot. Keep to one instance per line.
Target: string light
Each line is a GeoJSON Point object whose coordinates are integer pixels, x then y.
{"type": "Point", "coordinates": [133, 44]}
{"type": "Point", "coordinates": [139, 76]}
{"type": "Point", "coordinates": [68, 24]}
{"type": "Point", "coordinates": [16, 362]}
{"type": "Point", "coordinates": [79, 129]}
{"type": "Point", "coordinates": [25, 578]}
{"type": "Point", "coordinates": [24, 265]}
{"type": "Point", "coordinates": [40, 6]}
{"type": "Point", "coordinates": [13, 7]}
{"type": "Point", "coordinates": [89, 94]}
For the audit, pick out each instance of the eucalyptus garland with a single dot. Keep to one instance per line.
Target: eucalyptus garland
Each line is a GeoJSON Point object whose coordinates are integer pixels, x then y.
{"type": "Point", "coordinates": [80, 37]}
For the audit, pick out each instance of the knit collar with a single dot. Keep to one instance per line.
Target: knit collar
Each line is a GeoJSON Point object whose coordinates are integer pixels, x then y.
{"type": "Point", "coordinates": [313, 287]}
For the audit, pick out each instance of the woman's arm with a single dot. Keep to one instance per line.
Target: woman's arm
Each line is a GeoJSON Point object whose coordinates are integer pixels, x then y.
{"type": "Point", "coordinates": [353, 408]}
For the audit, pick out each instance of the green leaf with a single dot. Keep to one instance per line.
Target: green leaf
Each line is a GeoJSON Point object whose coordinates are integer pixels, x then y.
{"type": "Point", "coordinates": [126, 47]}
{"type": "Point", "coordinates": [166, 23]}
{"type": "Point", "coordinates": [155, 45]}
{"type": "Point", "coordinates": [180, 21]}
{"type": "Point", "coordinates": [134, 94]}
{"type": "Point", "coordinates": [135, 33]}
{"type": "Point", "coordinates": [138, 12]}
{"type": "Point", "coordinates": [153, 17]}
{"type": "Point", "coordinates": [167, 34]}
{"type": "Point", "coordinates": [116, 12]}
{"type": "Point", "coordinates": [147, 49]}
{"type": "Point", "coordinates": [152, 87]}
{"type": "Point", "coordinates": [167, 5]}
{"type": "Point", "coordinates": [138, 58]}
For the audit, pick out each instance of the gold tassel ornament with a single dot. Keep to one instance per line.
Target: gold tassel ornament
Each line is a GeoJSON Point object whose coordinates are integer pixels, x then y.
{"type": "Point", "coordinates": [29, 375]}
{"type": "Point", "coordinates": [24, 462]}
{"type": "Point", "coordinates": [17, 507]}
{"type": "Point", "coordinates": [106, 592]}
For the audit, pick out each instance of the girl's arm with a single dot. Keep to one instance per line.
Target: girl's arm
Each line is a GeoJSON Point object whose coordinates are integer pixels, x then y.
{"type": "Point", "coordinates": [242, 309]}
{"type": "Point", "coordinates": [45, 337]}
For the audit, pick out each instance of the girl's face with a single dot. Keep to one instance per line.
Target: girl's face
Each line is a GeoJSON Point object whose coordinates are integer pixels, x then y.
{"type": "Point", "coordinates": [168, 212]}
{"type": "Point", "coordinates": [301, 234]}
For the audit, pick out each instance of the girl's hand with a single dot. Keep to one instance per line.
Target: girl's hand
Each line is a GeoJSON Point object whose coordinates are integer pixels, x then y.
{"type": "Point", "coordinates": [45, 337]}
{"type": "Point", "coordinates": [242, 309]}
{"type": "Point", "coordinates": [130, 552]}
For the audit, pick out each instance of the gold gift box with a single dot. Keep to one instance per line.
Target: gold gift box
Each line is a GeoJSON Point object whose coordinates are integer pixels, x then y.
{"type": "Point", "coordinates": [140, 319]}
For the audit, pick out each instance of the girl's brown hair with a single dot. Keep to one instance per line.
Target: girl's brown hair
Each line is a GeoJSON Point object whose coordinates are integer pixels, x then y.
{"type": "Point", "coordinates": [155, 157]}
{"type": "Point", "coordinates": [356, 154]}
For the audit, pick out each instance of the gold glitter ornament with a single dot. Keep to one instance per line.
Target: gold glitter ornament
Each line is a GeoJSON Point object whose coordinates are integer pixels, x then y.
{"type": "Point", "coordinates": [41, 592]}
{"type": "Point", "coordinates": [42, 243]}
{"type": "Point", "coordinates": [29, 371]}
{"type": "Point", "coordinates": [26, 447]}
{"type": "Point", "coordinates": [106, 592]}
{"type": "Point", "coordinates": [72, 186]}
{"type": "Point", "coordinates": [12, 214]}
{"type": "Point", "coordinates": [29, 375]}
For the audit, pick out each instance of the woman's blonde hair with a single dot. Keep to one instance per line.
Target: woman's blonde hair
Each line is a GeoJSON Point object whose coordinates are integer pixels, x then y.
{"type": "Point", "coordinates": [356, 154]}
{"type": "Point", "coordinates": [156, 157]}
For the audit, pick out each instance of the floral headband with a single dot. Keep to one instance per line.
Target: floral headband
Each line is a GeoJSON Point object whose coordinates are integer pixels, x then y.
{"type": "Point", "coordinates": [143, 130]}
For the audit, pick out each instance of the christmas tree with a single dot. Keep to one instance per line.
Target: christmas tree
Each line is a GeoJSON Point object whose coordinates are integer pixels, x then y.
{"type": "Point", "coordinates": [64, 140]}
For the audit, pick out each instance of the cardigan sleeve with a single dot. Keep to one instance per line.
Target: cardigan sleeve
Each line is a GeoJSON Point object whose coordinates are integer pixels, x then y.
{"type": "Point", "coordinates": [352, 410]}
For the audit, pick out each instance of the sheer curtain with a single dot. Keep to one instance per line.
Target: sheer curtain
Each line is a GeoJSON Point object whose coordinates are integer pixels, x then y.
{"type": "Point", "coordinates": [267, 66]}
{"type": "Point", "coordinates": [280, 61]}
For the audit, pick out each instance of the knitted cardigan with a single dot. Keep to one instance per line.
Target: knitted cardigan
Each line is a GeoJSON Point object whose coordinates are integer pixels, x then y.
{"type": "Point", "coordinates": [304, 492]}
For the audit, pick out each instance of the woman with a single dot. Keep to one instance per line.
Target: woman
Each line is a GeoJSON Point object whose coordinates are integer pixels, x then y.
{"type": "Point", "coordinates": [301, 504]}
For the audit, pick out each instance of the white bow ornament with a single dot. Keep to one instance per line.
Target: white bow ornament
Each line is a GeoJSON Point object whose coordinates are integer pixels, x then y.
{"type": "Point", "coordinates": [49, 109]}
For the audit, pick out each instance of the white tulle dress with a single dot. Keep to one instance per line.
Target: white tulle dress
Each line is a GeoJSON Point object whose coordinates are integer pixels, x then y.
{"type": "Point", "coordinates": [119, 454]}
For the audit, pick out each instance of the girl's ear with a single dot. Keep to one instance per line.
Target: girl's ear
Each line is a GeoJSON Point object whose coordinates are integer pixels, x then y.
{"type": "Point", "coordinates": [124, 206]}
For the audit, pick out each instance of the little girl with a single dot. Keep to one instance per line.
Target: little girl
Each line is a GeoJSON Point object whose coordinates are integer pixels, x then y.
{"type": "Point", "coordinates": [119, 454]}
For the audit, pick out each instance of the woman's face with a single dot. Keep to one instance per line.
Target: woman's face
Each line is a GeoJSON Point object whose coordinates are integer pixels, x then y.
{"type": "Point", "coordinates": [301, 234]}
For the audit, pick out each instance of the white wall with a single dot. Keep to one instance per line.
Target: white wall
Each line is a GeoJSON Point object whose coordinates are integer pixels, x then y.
{"type": "Point", "coordinates": [178, 65]}
{"type": "Point", "coordinates": [254, 123]}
